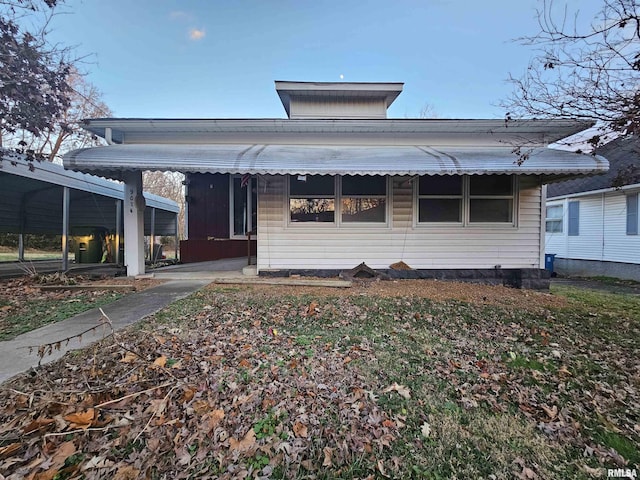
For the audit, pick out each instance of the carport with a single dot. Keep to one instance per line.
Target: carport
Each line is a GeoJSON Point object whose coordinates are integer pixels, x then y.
{"type": "Point", "coordinates": [44, 198]}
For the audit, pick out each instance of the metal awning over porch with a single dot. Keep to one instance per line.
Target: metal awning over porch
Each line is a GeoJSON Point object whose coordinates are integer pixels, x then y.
{"type": "Point", "coordinates": [333, 159]}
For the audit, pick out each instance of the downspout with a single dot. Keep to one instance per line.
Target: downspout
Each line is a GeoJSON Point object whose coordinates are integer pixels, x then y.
{"type": "Point", "coordinates": [543, 226]}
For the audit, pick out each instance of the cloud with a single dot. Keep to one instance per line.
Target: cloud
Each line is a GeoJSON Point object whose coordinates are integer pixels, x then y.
{"type": "Point", "coordinates": [197, 34]}
{"type": "Point", "coordinates": [179, 15]}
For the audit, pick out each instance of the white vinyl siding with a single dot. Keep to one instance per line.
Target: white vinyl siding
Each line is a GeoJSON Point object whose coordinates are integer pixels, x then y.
{"type": "Point", "coordinates": [603, 231]}
{"type": "Point", "coordinates": [337, 107]}
{"type": "Point", "coordinates": [445, 246]}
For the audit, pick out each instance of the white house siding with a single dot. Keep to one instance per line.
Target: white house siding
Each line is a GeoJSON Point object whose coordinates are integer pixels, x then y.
{"type": "Point", "coordinates": [603, 233]}
{"type": "Point", "coordinates": [618, 246]}
{"type": "Point", "coordinates": [313, 246]}
{"type": "Point", "coordinates": [338, 108]}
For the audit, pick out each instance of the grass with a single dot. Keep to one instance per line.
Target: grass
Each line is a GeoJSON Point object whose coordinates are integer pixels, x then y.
{"type": "Point", "coordinates": [11, 255]}
{"type": "Point", "coordinates": [488, 390]}
{"type": "Point", "coordinates": [42, 312]}
{"type": "Point", "coordinates": [482, 434]}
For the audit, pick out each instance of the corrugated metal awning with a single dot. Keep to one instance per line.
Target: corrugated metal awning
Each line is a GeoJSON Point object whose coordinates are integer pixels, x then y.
{"type": "Point", "coordinates": [332, 159]}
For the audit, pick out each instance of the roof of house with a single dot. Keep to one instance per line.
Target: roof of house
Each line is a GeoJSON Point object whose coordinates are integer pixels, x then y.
{"type": "Point", "coordinates": [435, 132]}
{"type": "Point", "coordinates": [623, 155]}
{"type": "Point", "coordinates": [338, 147]}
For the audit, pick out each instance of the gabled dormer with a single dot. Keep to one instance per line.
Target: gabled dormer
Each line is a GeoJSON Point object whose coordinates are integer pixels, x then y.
{"type": "Point", "coordinates": [339, 100]}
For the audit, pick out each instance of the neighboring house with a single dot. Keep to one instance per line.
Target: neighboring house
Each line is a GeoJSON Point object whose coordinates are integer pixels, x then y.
{"type": "Point", "coordinates": [592, 222]}
{"type": "Point", "coordinates": [337, 183]}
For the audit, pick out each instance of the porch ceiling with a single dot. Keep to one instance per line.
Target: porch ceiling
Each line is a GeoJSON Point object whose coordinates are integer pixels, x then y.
{"type": "Point", "coordinates": [334, 160]}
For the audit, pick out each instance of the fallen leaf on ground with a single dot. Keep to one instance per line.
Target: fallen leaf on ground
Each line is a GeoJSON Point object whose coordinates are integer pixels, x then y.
{"type": "Point", "coordinates": [245, 444]}
{"type": "Point", "coordinates": [300, 429]}
{"type": "Point", "coordinates": [328, 453]}
{"type": "Point", "coordinates": [401, 389]}
{"type": "Point", "coordinates": [127, 473]}
{"type": "Point", "coordinates": [161, 361]}
{"type": "Point", "coordinates": [425, 429]}
{"type": "Point", "coordinates": [81, 419]}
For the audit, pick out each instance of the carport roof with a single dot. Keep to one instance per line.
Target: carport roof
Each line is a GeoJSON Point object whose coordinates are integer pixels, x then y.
{"type": "Point", "coordinates": [32, 192]}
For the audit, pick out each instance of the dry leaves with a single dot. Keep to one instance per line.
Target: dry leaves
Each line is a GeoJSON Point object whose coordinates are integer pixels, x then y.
{"type": "Point", "coordinates": [254, 392]}
{"type": "Point", "coordinates": [401, 389]}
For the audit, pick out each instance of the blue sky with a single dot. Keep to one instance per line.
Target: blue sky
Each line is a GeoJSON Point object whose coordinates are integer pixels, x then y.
{"type": "Point", "coordinates": [218, 59]}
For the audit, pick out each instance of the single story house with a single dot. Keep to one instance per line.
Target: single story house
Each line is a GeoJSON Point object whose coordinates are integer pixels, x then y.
{"type": "Point", "coordinates": [337, 183]}
{"type": "Point", "coordinates": [592, 222]}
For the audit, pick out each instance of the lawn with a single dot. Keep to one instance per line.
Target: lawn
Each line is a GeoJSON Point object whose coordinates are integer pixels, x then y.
{"type": "Point", "coordinates": [403, 379]}
{"type": "Point", "coordinates": [24, 306]}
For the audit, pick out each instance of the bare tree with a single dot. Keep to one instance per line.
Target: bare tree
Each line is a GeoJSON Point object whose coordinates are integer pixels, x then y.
{"type": "Point", "coordinates": [33, 87]}
{"type": "Point", "coordinates": [428, 111]}
{"type": "Point", "coordinates": [583, 71]}
{"type": "Point", "coordinates": [66, 133]}
{"type": "Point", "coordinates": [168, 185]}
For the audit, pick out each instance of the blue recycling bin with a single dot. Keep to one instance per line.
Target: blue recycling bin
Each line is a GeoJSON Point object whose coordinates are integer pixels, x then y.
{"type": "Point", "coordinates": [549, 259]}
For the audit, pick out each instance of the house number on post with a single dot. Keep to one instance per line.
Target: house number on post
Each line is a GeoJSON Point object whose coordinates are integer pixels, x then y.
{"type": "Point", "coordinates": [131, 200]}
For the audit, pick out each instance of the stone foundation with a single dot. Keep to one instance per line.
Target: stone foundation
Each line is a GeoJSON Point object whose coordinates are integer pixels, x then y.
{"type": "Point", "coordinates": [529, 278]}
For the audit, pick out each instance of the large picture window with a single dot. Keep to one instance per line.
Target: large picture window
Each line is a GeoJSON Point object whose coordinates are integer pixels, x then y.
{"type": "Point", "coordinates": [364, 199]}
{"type": "Point", "coordinates": [311, 198]}
{"type": "Point", "coordinates": [440, 198]}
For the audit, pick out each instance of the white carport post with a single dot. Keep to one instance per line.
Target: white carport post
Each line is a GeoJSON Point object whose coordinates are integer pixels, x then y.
{"type": "Point", "coordinates": [152, 236]}
{"type": "Point", "coordinates": [65, 228]}
{"type": "Point", "coordinates": [134, 224]}
{"type": "Point", "coordinates": [20, 247]}
{"type": "Point", "coordinates": [118, 231]}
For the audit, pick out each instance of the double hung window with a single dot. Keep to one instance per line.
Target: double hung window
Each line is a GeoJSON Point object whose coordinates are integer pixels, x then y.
{"type": "Point", "coordinates": [364, 199]}
{"type": "Point", "coordinates": [490, 199]}
{"type": "Point", "coordinates": [312, 198]}
{"type": "Point", "coordinates": [554, 219]}
{"type": "Point", "coordinates": [440, 198]}
{"type": "Point", "coordinates": [349, 199]}
{"type": "Point", "coordinates": [466, 199]}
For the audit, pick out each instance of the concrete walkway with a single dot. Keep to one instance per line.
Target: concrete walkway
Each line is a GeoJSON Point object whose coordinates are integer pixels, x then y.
{"type": "Point", "coordinates": [14, 354]}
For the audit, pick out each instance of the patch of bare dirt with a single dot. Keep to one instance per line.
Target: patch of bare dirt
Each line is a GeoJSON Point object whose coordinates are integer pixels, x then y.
{"type": "Point", "coordinates": [435, 290]}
